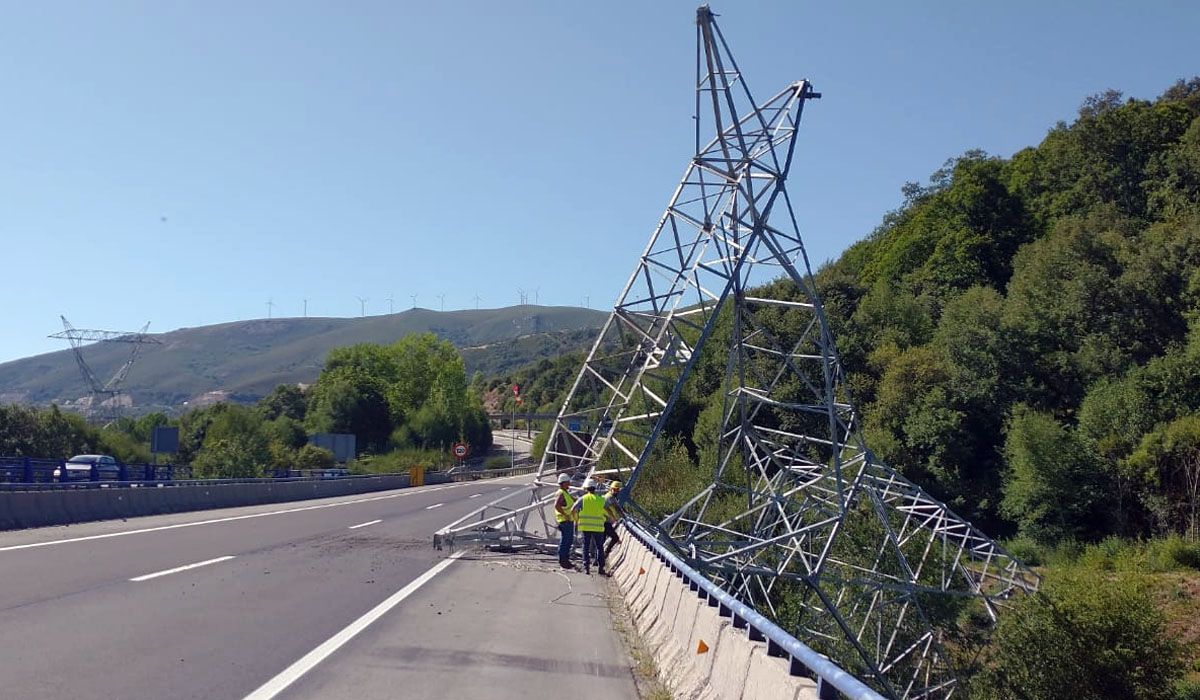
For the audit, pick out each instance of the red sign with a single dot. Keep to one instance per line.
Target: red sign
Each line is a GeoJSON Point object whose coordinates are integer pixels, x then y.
{"type": "Point", "coordinates": [460, 450]}
{"type": "Point", "coordinates": [516, 390]}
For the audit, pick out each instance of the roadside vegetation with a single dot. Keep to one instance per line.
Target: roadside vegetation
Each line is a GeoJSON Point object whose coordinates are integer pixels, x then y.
{"type": "Point", "coordinates": [406, 403]}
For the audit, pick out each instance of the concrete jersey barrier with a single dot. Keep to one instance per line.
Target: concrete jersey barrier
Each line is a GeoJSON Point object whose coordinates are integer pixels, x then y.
{"type": "Point", "coordinates": [24, 509]}
{"type": "Point", "coordinates": [702, 650]}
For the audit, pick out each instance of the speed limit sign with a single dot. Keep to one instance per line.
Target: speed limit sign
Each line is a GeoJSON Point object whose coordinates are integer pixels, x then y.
{"type": "Point", "coordinates": [460, 450]}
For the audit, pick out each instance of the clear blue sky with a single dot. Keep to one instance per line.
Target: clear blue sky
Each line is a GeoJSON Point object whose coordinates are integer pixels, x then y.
{"type": "Point", "coordinates": [184, 162]}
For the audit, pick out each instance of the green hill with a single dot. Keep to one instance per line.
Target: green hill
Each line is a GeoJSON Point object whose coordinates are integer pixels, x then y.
{"type": "Point", "coordinates": [246, 359]}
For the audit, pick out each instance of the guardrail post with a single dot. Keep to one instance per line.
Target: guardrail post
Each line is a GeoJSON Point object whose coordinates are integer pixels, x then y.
{"type": "Point", "coordinates": [95, 472]}
{"type": "Point", "coordinates": [62, 472]}
{"type": "Point", "coordinates": [148, 473]}
{"type": "Point", "coordinates": [123, 472]}
{"type": "Point", "coordinates": [28, 475]}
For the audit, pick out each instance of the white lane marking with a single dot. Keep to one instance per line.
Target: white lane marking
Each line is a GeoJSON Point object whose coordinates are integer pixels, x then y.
{"type": "Point", "coordinates": [232, 518]}
{"type": "Point", "coordinates": [177, 569]}
{"type": "Point", "coordinates": [435, 505]}
{"type": "Point", "coordinates": [306, 663]}
{"type": "Point", "coordinates": [475, 495]}
{"type": "Point", "coordinates": [355, 527]}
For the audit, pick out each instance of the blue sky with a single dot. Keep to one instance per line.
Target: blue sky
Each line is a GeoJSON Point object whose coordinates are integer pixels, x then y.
{"type": "Point", "coordinates": [183, 163]}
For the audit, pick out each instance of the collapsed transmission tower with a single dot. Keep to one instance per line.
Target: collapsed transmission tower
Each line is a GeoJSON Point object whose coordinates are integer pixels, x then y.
{"type": "Point", "coordinates": [798, 517]}
{"type": "Point", "coordinates": [104, 400]}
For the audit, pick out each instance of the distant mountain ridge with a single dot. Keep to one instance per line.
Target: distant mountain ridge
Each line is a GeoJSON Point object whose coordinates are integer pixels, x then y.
{"type": "Point", "coordinates": [243, 360]}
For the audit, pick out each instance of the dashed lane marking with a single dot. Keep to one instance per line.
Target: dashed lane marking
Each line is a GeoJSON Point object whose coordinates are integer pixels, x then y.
{"type": "Point", "coordinates": [372, 522]}
{"type": "Point", "coordinates": [156, 574]}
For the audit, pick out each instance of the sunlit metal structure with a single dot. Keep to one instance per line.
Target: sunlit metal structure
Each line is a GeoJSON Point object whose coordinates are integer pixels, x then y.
{"type": "Point", "coordinates": [797, 518]}
{"type": "Point", "coordinates": [104, 398]}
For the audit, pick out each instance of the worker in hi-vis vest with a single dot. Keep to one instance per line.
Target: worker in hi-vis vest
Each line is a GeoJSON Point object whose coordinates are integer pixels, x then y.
{"type": "Point", "coordinates": [614, 515]}
{"type": "Point", "coordinates": [565, 516]}
{"type": "Point", "coordinates": [592, 514]}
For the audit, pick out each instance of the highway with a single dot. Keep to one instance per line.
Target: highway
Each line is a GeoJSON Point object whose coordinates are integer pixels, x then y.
{"type": "Point", "coordinates": [223, 604]}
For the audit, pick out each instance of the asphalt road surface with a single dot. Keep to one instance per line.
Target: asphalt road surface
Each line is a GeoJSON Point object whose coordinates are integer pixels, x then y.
{"type": "Point", "coordinates": [218, 604]}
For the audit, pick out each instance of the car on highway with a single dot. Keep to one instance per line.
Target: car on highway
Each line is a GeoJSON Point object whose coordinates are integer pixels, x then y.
{"type": "Point", "coordinates": [79, 468]}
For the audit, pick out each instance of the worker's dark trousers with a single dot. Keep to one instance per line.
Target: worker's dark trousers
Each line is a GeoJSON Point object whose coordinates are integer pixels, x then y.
{"type": "Point", "coordinates": [566, 538]}
{"type": "Point", "coordinates": [610, 532]}
{"type": "Point", "coordinates": [593, 540]}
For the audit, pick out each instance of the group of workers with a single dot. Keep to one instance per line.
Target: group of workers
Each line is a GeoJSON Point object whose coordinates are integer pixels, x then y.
{"type": "Point", "coordinates": [596, 517]}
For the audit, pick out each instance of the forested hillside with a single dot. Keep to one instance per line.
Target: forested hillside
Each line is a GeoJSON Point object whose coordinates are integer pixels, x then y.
{"type": "Point", "coordinates": [1022, 335]}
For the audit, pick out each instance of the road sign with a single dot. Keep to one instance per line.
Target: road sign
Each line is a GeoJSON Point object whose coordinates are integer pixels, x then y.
{"type": "Point", "coordinates": [460, 450]}
{"type": "Point", "coordinates": [516, 390]}
{"type": "Point", "coordinates": [164, 439]}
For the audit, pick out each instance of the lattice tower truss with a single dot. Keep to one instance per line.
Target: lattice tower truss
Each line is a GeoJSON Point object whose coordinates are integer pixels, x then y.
{"type": "Point", "coordinates": [104, 396]}
{"type": "Point", "coordinates": [797, 517]}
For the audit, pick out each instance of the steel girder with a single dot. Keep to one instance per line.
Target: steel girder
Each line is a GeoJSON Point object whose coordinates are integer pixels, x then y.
{"type": "Point", "coordinates": [799, 518]}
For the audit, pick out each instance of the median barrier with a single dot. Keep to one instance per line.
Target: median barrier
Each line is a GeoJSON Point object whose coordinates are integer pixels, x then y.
{"type": "Point", "coordinates": [24, 509]}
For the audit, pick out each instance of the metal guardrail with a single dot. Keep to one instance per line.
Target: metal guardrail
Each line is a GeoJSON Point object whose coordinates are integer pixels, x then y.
{"type": "Point", "coordinates": [804, 661]}
{"type": "Point", "coordinates": [37, 472]}
{"type": "Point", "coordinates": [31, 474]}
{"type": "Point", "coordinates": [456, 474]}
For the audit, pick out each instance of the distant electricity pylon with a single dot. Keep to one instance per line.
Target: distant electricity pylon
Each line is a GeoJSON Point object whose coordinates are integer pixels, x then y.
{"type": "Point", "coordinates": [104, 400]}
{"type": "Point", "coordinates": [414, 300]}
{"type": "Point", "coordinates": [794, 514]}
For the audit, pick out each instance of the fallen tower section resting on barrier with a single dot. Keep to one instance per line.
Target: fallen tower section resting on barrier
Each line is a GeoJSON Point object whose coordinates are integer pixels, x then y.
{"type": "Point", "coordinates": [799, 520]}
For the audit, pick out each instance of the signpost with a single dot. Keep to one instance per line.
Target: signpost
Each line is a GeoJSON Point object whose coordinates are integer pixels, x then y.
{"type": "Point", "coordinates": [517, 394]}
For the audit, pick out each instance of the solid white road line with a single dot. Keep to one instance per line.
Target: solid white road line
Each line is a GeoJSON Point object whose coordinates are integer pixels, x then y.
{"type": "Point", "coordinates": [435, 505]}
{"type": "Point", "coordinates": [107, 535]}
{"type": "Point", "coordinates": [355, 527]}
{"type": "Point", "coordinates": [177, 569]}
{"type": "Point", "coordinates": [307, 662]}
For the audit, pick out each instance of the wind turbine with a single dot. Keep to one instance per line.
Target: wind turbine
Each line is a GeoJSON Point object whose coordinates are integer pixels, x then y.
{"type": "Point", "coordinates": [363, 302]}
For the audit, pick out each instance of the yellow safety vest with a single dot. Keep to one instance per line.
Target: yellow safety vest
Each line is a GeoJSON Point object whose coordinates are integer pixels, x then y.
{"type": "Point", "coordinates": [591, 515]}
{"type": "Point", "coordinates": [559, 517]}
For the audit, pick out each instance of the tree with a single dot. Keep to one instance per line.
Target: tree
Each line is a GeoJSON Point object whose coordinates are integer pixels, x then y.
{"type": "Point", "coordinates": [234, 445]}
{"type": "Point", "coordinates": [286, 400]}
{"type": "Point", "coordinates": [1167, 465]}
{"type": "Point", "coordinates": [1088, 636]}
{"type": "Point", "coordinates": [1057, 487]}
{"type": "Point", "coordinates": [349, 401]}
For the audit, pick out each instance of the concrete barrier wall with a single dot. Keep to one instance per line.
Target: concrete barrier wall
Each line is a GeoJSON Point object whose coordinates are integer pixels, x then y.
{"type": "Point", "coordinates": [22, 509]}
{"type": "Point", "coordinates": [700, 654]}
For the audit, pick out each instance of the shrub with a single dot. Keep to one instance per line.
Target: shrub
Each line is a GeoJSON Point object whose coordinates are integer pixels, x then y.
{"type": "Point", "coordinates": [1088, 636]}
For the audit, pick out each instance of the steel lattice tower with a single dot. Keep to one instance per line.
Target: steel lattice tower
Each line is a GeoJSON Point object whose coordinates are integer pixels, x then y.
{"type": "Point", "coordinates": [104, 397]}
{"type": "Point", "coordinates": [799, 518]}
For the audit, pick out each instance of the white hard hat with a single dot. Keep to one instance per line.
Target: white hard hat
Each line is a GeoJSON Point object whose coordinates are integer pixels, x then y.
{"type": "Point", "coordinates": [564, 478]}
{"type": "Point", "coordinates": [589, 484]}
